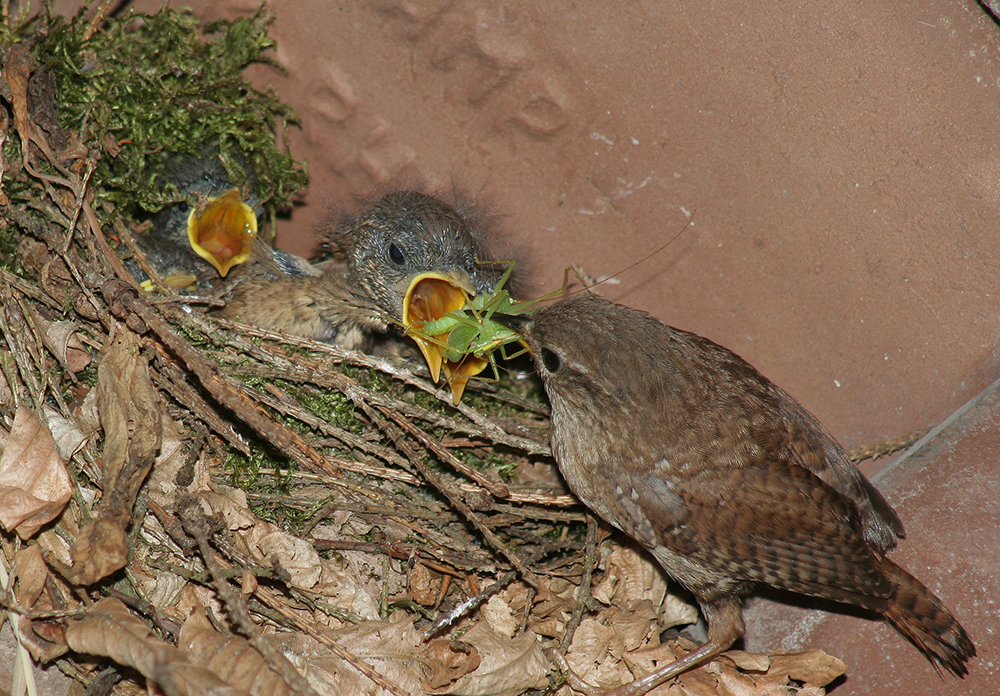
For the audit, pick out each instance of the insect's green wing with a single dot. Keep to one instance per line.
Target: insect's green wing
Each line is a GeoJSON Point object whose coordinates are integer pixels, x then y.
{"type": "Point", "coordinates": [457, 346]}
{"type": "Point", "coordinates": [491, 335]}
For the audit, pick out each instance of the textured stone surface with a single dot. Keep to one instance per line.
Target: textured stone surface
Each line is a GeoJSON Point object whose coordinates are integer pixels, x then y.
{"type": "Point", "coordinates": [946, 490]}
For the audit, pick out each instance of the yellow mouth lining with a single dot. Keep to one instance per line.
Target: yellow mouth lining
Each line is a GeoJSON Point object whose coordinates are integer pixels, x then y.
{"type": "Point", "coordinates": [221, 230]}
{"type": "Point", "coordinates": [429, 297]}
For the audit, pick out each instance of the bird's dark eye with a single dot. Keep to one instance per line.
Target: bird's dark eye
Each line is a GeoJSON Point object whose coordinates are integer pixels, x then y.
{"type": "Point", "coordinates": [550, 360]}
{"type": "Point", "coordinates": [396, 255]}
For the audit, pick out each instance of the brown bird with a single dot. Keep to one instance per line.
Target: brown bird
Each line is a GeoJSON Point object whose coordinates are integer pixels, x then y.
{"type": "Point", "coordinates": [725, 479]}
{"type": "Point", "coordinates": [381, 258]}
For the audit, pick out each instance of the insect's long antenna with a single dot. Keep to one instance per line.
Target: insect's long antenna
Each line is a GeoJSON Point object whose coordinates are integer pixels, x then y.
{"type": "Point", "coordinates": [586, 288]}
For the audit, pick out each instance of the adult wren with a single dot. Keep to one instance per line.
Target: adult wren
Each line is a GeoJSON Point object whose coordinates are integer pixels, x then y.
{"type": "Point", "coordinates": [725, 479]}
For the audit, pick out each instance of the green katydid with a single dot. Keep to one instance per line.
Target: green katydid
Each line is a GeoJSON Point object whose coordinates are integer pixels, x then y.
{"type": "Point", "coordinates": [479, 335]}
{"type": "Point", "coordinates": [461, 342]}
{"type": "Point", "coordinates": [462, 345]}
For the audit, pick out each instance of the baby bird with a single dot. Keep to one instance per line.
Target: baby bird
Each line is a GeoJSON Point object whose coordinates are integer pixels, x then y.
{"type": "Point", "coordinates": [193, 242]}
{"type": "Point", "coordinates": [382, 256]}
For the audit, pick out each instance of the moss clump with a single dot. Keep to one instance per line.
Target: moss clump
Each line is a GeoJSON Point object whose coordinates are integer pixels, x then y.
{"type": "Point", "coordinates": [143, 88]}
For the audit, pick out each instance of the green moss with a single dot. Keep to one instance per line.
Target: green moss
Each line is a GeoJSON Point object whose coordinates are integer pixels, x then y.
{"type": "Point", "coordinates": [331, 406]}
{"type": "Point", "coordinates": [147, 85]}
{"type": "Point", "coordinates": [245, 470]}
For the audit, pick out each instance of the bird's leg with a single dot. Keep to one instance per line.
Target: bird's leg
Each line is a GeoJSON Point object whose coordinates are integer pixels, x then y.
{"type": "Point", "coordinates": [725, 625]}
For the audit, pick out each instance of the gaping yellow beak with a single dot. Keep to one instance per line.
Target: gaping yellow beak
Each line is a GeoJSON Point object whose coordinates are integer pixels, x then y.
{"type": "Point", "coordinates": [429, 297]}
{"type": "Point", "coordinates": [458, 374]}
{"type": "Point", "coordinates": [221, 230]}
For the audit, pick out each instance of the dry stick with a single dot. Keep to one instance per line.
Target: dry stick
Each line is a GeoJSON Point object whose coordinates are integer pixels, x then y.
{"type": "Point", "coordinates": [169, 377]}
{"type": "Point", "coordinates": [583, 592]}
{"type": "Point", "coordinates": [486, 428]}
{"type": "Point", "coordinates": [397, 550]}
{"type": "Point", "coordinates": [281, 402]}
{"type": "Point", "coordinates": [125, 234]}
{"type": "Point", "coordinates": [497, 488]}
{"type": "Point", "coordinates": [368, 469]}
{"type": "Point", "coordinates": [125, 301]}
{"type": "Point", "coordinates": [14, 326]}
{"type": "Point", "coordinates": [354, 391]}
{"type": "Point", "coordinates": [18, 283]}
{"type": "Point", "coordinates": [452, 495]}
{"type": "Point", "coordinates": [196, 525]}
{"type": "Point", "coordinates": [468, 606]}
{"type": "Point", "coordinates": [43, 343]}
{"type": "Point", "coordinates": [270, 599]}
{"type": "Point", "coordinates": [298, 370]}
{"type": "Point", "coordinates": [474, 602]}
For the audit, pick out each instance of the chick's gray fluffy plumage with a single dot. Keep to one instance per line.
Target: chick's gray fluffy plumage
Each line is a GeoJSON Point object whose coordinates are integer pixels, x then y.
{"type": "Point", "coordinates": [377, 254]}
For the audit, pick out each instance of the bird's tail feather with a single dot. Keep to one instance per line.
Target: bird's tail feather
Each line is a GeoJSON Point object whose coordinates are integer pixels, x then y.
{"type": "Point", "coordinates": [921, 617]}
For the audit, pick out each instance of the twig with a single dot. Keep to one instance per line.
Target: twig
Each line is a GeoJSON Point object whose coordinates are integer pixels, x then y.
{"type": "Point", "coordinates": [125, 301]}
{"type": "Point", "coordinates": [497, 488]}
{"type": "Point", "coordinates": [583, 592]}
{"type": "Point", "coordinates": [486, 429]}
{"type": "Point", "coordinates": [268, 598]}
{"type": "Point", "coordinates": [196, 525]}
{"type": "Point", "coordinates": [452, 496]}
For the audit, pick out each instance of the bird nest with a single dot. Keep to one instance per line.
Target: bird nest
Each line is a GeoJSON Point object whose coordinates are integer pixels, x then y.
{"type": "Point", "coordinates": [193, 502]}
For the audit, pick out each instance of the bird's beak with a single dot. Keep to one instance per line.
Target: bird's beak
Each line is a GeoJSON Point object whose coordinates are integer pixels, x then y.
{"type": "Point", "coordinates": [221, 230]}
{"type": "Point", "coordinates": [458, 374]}
{"type": "Point", "coordinates": [429, 297]}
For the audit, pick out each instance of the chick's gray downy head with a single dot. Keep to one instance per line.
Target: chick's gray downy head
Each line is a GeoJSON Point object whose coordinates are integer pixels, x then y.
{"type": "Point", "coordinates": [405, 234]}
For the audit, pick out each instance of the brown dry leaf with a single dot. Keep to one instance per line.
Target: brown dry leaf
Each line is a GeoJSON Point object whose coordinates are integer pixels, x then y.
{"type": "Point", "coordinates": [813, 667]}
{"type": "Point", "coordinates": [232, 658]}
{"type": "Point", "coordinates": [599, 652]}
{"type": "Point", "coordinates": [749, 662]}
{"type": "Point", "coordinates": [500, 616]}
{"type": "Point", "coordinates": [162, 485]}
{"type": "Point", "coordinates": [392, 647]}
{"type": "Point", "coordinates": [735, 672]}
{"type": "Point", "coordinates": [31, 573]}
{"type": "Point", "coordinates": [130, 412]}
{"type": "Point", "coordinates": [34, 483]}
{"type": "Point", "coordinates": [101, 548]}
{"type": "Point", "coordinates": [555, 601]}
{"type": "Point", "coordinates": [69, 438]}
{"type": "Point", "coordinates": [61, 339]}
{"type": "Point", "coordinates": [631, 577]}
{"type": "Point", "coordinates": [596, 655]}
{"type": "Point", "coordinates": [335, 578]}
{"type": "Point", "coordinates": [425, 585]}
{"type": "Point", "coordinates": [507, 666]}
{"type": "Point", "coordinates": [447, 660]}
{"type": "Point", "coordinates": [295, 555]}
{"type": "Point", "coordinates": [109, 630]}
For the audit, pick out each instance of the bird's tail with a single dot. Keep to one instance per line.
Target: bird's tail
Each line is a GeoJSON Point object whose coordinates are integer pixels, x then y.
{"type": "Point", "coordinates": [921, 617]}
